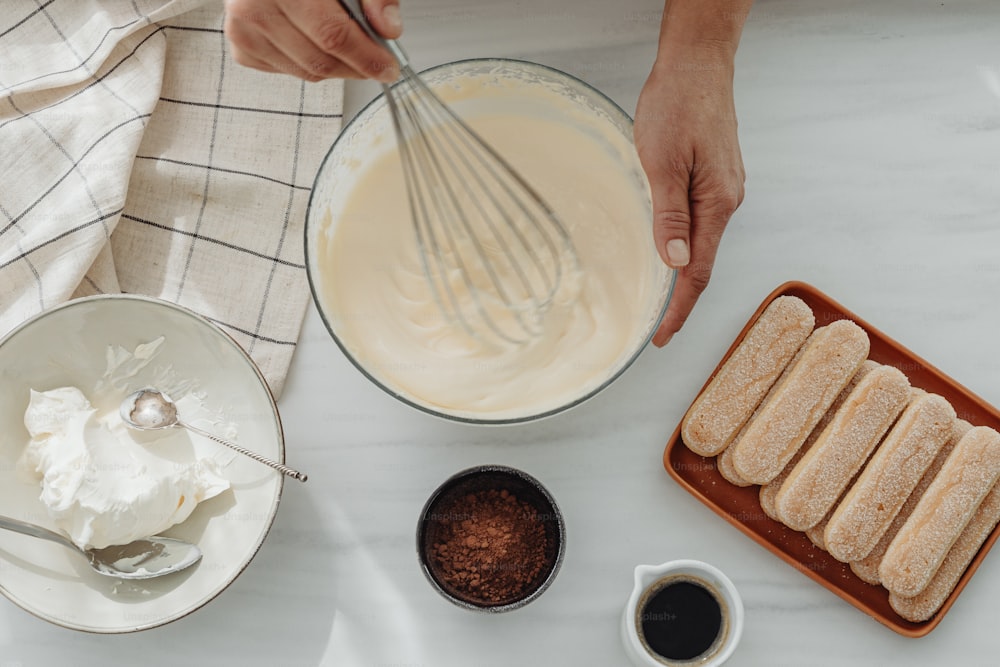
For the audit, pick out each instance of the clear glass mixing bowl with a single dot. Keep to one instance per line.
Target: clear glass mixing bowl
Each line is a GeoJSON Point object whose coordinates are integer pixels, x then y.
{"type": "Point", "coordinates": [371, 132]}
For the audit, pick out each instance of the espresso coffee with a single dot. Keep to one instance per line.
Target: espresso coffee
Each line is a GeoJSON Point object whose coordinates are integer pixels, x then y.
{"type": "Point", "coordinates": [681, 619]}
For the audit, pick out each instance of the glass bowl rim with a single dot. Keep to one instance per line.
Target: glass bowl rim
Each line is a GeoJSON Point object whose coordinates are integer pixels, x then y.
{"type": "Point", "coordinates": [309, 226]}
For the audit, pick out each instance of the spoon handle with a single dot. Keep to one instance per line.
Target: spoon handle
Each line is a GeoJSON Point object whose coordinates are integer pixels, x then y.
{"type": "Point", "coordinates": [35, 531]}
{"type": "Point", "coordinates": [294, 474]}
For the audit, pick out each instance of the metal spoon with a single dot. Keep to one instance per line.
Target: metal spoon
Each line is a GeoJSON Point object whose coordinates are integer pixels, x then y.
{"type": "Point", "coordinates": [150, 410]}
{"type": "Point", "coordinates": [142, 559]}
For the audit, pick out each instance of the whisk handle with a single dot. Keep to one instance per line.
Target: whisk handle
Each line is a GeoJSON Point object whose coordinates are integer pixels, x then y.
{"type": "Point", "coordinates": [357, 12]}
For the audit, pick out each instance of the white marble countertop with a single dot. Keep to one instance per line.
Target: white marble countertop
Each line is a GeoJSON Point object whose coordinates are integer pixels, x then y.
{"type": "Point", "coordinates": [871, 136]}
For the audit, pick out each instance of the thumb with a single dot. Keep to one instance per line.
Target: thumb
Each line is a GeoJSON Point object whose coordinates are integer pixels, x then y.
{"type": "Point", "coordinates": [672, 217]}
{"type": "Point", "coordinates": [384, 17]}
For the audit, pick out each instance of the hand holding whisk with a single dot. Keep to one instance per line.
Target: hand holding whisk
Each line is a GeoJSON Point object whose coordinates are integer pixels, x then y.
{"type": "Point", "coordinates": [493, 251]}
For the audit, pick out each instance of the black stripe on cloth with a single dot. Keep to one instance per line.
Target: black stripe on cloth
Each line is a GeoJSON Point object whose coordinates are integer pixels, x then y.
{"type": "Point", "coordinates": [69, 45]}
{"type": "Point", "coordinates": [288, 215]}
{"type": "Point", "coordinates": [38, 280]}
{"type": "Point", "coordinates": [24, 254]}
{"type": "Point", "coordinates": [251, 334]}
{"type": "Point", "coordinates": [209, 239]}
{"type": "Point", "coordinates": [223, 170]}
{"type": "Point", "coordinates": [218, 106]}
{"type": "Point", "coordinates": [10, 219]}
{"type": "Point", "coordinates": [90, 281]}
{"type": "Point", "coordinates": [83, 61]}
{"type": "Point", "coordinates": [208, 172]}
{"type": "Point", "coordinates": [62, 149]}
{"type": "Point", "coordinates": [15, 219]}
{"type": "Point", "coordinates": [24, 20]}
{"type": "Point", "coordinates": [31, 267]}
{"type": "Point", "coordinates": [192, 28]}
{"type": "Point", "coordinates": [89, 85]}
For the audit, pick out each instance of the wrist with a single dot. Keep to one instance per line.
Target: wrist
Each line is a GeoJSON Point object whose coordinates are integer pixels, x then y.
{"type": "Point", "coordinates": [702, 31]}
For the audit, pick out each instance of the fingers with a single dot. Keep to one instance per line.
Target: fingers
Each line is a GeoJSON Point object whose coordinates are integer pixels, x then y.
{"type": "Point", "coordinates": [253, 49]}
{"type": "Point", "coordinates": [331, 31]}
{"type": "Point", "coordinates": [711, 208]}
{"type": "Point", "coordinates": [384, 17]}
{"type": "Point", "coordinates": [692, 279]}
{"type": "Point", "coordinates": [312, 39]}
{"type": "Point", "coordinates": [672, 217]}
{"type": "Point", "coordinates": [670, 190]}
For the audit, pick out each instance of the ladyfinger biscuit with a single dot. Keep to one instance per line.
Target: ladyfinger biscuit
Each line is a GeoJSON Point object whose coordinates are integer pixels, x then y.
{"type": "Point", "coordinates": [947, 506]}
{"type": "Point", "coordinates": [819, 479]}
{"type": "Point", "coordinates": [724, 462]}
{"type": "Point", "coordinates": [740, 385]}
{"type": "Point", "coordinates": [725, 459]}
{"type": "Point", "coordinates": [886, 482]}
{"type": "Point", "coordinates": [769, 491]}
{"type": "Point", "coordinates": [921, 607]}
{"type": "Point", "coordinates": [867, 568]}
{"type": "Point", "coordinates": [833, 354]}
{"type": "Point", "coordinates": [815, 534]}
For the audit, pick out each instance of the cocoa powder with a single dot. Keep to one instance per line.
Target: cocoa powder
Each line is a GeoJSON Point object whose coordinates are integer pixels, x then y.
{"type": "Point", "coordinates": [488, 545]}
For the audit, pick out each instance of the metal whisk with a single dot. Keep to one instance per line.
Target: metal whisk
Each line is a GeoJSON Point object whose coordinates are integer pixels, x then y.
{"type": "Point", "coordinates": [493, 252]}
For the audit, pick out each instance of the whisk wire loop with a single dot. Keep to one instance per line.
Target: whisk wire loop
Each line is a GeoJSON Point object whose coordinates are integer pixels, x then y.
{"type": "Point", "coordinates": [431, 172]}
{"type": "Point", "coordinates": [492, 250]}
{"type": "Point", "coordinates": [490, 171]}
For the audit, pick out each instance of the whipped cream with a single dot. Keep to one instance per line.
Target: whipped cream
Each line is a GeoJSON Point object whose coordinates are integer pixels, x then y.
{"type": "Point", "coordinates": [102, 483]}
{"type": "Point", "coordinates": [382, 307]}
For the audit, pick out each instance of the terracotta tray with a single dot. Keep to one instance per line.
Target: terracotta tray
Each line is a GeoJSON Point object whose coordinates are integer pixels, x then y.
{"type": "Point", "coordinates": [740, 506]}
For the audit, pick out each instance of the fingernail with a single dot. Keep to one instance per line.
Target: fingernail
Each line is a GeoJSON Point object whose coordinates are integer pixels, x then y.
{"type": "Point", "coordinates": [660, 342]}
{"type": "Point", "coordinates": [391, 17]}
{"type": "Point", "coordinates": [678, 253]}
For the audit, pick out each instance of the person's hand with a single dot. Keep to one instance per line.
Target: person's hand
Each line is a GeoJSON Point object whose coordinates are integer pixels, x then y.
{"type": "Point", "coordinates": [312, 39]}
{"type": "Point", "coordinates": [685, 133]}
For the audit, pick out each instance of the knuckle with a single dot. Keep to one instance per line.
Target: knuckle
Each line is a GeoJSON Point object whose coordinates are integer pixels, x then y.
{"type": "Point", "coordinates": [374, 68]}
{"type": "Point", "coordinates": [698, 276]}
{"type": "Point", "coordinates": [334, 36]}
{"type": "Point", "coordinates": [672, 220]}
{"type": "Point", "coordinates": [319, 68]}
{"type": "Point", "coordinates": [723, 200]}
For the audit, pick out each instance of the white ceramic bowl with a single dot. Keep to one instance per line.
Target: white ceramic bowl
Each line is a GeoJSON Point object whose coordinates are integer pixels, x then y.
{"type": "Point", "coordinates": [68, 345]}
{"type": "Point", "coordinates": [370, 133]}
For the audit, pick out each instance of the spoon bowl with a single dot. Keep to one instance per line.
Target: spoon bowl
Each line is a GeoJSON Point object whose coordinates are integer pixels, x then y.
{"type": "Point", "coordinates": [143, 559]}
{"type": "Point", "coordinates": [151, 410]}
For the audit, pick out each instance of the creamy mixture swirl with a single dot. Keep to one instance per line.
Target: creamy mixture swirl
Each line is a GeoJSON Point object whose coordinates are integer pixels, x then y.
{"type": "Point", "coordinates": [383, 311]}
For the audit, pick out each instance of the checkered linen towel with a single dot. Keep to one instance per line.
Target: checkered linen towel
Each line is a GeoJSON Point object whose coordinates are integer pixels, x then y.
{"type": "Point", "coordinates": [136, 156]}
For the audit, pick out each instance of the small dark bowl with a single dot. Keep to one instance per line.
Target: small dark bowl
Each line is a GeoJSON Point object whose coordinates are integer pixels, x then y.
{"type": "Point", "coordinates": [484, 478]}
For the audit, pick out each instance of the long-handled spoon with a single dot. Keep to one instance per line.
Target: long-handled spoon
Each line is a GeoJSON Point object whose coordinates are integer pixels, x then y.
{"type": "Point", "coordinates": [151, 410]}
{"type": "Point", "coordinates": [142, 559]}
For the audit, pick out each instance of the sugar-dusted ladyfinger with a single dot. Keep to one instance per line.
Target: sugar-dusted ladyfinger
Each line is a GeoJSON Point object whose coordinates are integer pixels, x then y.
{"type": "Point", "coordinates": [944, 509]}
{"type": "Point", "coordinates": [833, 354]}
{"type": "Point", "coordinates": [724, 462]}
{"type": "Point", "coordinates": [925, 604]}
{"type": "Point", "coordinates": [738, 388]}
{"type": "Point", "coordinates": [819, 479]}
{"type": "Point", "coordinates": [867, 568]}
{"type": "Point", "coordinates": [870, 505]}
{"type": "Point", "coordinates": [725, 459]}
{"type": "Point", "coordinates": [769, 491]}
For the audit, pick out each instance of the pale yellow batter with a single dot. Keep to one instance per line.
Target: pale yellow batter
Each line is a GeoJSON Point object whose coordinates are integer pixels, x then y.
{"type": "Point", "coordinates": [382, 309]}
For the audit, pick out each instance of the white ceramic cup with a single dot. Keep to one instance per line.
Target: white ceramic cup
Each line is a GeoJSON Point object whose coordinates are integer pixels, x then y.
{"type": "Point", "coordinates": [647, 577]}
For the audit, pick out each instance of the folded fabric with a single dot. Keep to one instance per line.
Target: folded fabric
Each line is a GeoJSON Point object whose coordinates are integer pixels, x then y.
{"type": "Point", "coordinates": [136, 156]}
